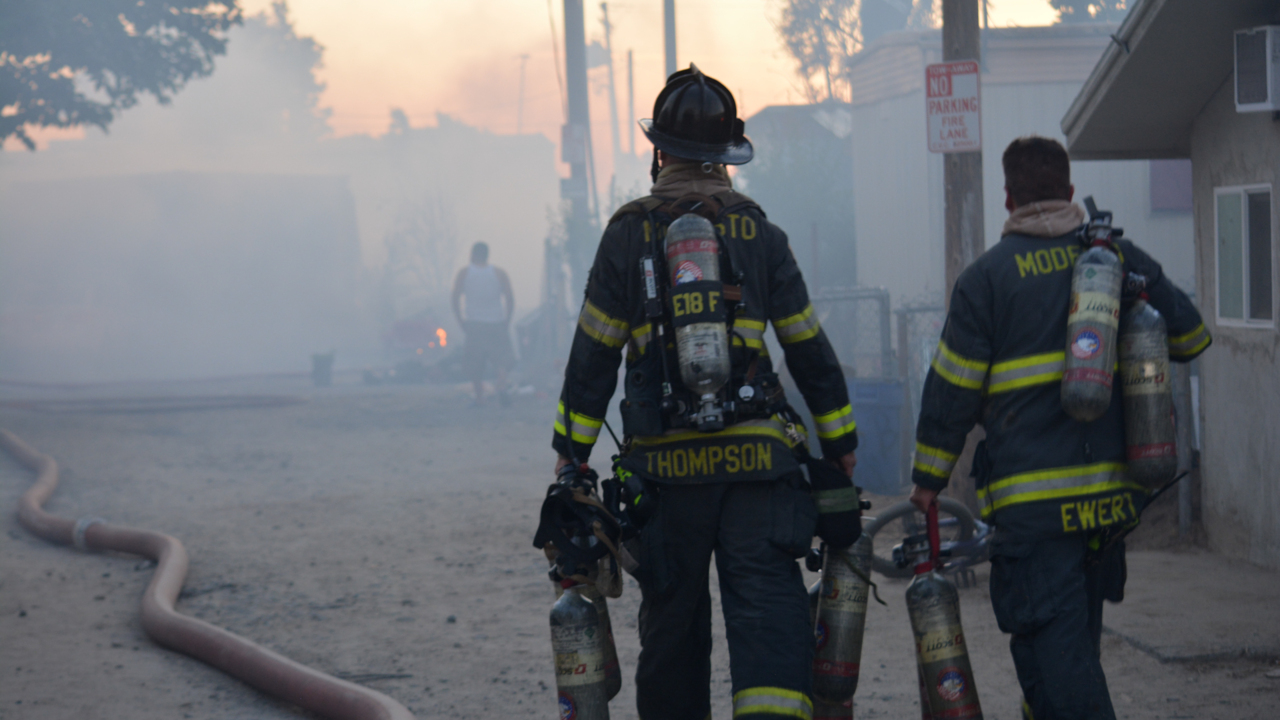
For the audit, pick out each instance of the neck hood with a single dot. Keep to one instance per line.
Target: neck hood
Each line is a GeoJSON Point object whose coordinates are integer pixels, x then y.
{"type": "Point", "coordinates": [684, 178]}
{"type": "Point", "coordinates": [1047, 218]}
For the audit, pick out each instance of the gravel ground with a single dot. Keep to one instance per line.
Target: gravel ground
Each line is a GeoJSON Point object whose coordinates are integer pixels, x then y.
{"type": "Point", "coordinates": [383, 535]}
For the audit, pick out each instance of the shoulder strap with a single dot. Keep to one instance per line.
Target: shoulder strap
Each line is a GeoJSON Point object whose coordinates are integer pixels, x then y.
{"type": "Point", "coordinates": [734, 200]}
{"type": "Point", "coordinates": [642, 206]}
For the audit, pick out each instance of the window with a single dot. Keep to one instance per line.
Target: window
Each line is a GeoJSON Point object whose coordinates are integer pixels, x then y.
{"type": "Point", "coordinates": [1244, 256]}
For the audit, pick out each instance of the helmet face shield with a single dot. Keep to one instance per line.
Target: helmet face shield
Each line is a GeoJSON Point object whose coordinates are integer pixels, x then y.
{"type": "Point", "coordinates": [695, 117]}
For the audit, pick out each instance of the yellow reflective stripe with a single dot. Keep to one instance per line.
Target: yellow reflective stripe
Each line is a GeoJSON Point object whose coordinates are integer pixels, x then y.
{"type": "Point", "coordinates": [602, 328]}
{"type": "Point", "coordinates": [753, 344]}
{"type": "Point", "coordinates": [934, 461]}
{"type": "Point", "coordinates": [584, 428]}
{"type": "Point", "coordinates": [836, 423]}
{"type": "Point", "coordinates": [957, 369]}
{"type": "Point", "coordinates": [1189, 343]}
{"type": "Point", "coordinates": [641, 337]}
{"type": "Point", "coordinates": [772, 701]}
{"type": "Point", "coordinates": [749, 333]}
{"type": "Point", "coordinates": [1026, 371]}
{"type": "Point", "coordinates": [1054, 483]}
{"type": "Point", "coordinates": [769, 428]}
{"type": "Point", "coordinates": [796, 328]}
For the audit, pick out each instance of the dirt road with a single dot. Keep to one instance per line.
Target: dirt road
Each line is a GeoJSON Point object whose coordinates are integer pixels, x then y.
{"type": "Point", "coordinates": [382, 535]}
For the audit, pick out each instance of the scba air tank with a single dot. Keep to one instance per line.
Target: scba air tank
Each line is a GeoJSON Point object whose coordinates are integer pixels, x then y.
{"type": "Point", "coordinates": [947, 689]}
{"type": "Point", "coordinates": [1092, 324]}
{"type": "Point", "coordinates": [1148, 397]}
{"type": "Point", "coordinates": [577, 641]}
{"type": "Point", "coordinates": [612, 670]}
{"type": "Point", "coordinates": [841, 621]}
{"type": "Point", "coordinates": [698, 314]}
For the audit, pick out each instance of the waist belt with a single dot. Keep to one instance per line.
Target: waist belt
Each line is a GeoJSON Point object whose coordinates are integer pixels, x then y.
{"type": "Point", "coordinates": [747, 451]}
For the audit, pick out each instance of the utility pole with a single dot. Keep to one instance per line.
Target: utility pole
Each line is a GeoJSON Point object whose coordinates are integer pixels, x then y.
{"type": "Point", "coordinates": [613, 95]}
{"type": "Point", "coordinates": [669, 33]}
{"type": "Point", "coordinates": [631, 108]}
{"type": "Point", "coordinates": [962, 177]}
{"type": "Point", "coordinates": [962, 171]}
{"type": "Point", "coordinates": [524, 60]}
{"type": "Point", "coordinates": [574, 139]}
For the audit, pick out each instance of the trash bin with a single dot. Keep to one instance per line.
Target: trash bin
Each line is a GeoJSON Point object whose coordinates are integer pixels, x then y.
{"type": "Point", "coordinates": [877, 406]}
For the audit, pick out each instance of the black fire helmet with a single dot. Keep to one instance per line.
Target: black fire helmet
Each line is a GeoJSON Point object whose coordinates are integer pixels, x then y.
{"type": "Point", "coordinates": [695, 117]}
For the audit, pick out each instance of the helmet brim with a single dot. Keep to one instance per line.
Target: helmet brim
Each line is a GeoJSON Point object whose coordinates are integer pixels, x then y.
{"type": "Point", "coordinates": [738, 152]}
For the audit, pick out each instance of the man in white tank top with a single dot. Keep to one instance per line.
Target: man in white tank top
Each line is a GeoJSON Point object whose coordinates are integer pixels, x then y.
{"type": "Point", "coordinates": [487, 319]}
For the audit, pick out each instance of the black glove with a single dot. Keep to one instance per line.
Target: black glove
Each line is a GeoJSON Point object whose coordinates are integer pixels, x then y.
{"type": "Point", "coordinates": [839, 506]}
{"type": "Point", "coordinates": [578, 526]}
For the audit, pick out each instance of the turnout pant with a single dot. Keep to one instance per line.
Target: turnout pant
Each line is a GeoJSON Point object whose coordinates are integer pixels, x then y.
{"type": "Point", "coordinates": [1049, 598]}
{"type": "Point", "coordinates": [756, 530]}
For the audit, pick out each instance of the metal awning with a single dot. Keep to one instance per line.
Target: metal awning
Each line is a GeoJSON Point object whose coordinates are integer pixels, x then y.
{"type": "Point", "coordinates": [1164, 64]}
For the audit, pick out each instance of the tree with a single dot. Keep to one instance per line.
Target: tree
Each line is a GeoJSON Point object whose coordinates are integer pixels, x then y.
{"type": "Point", "coordinates": [824, 36]}
{"type": "Point", "coordinates": [1077, 11]}
{"type": "Point", "coordinates": [821, 35]}
{"type": "Point", "coordinates": [66, 63]}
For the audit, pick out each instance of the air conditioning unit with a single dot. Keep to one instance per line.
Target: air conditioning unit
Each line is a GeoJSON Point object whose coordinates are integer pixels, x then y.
{"type": "Point", "coordinates": [1258, 69]}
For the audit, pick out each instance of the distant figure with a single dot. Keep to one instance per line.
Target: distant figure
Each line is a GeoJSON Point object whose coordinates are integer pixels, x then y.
{"type": "Point", "coordinates": [487, 321]}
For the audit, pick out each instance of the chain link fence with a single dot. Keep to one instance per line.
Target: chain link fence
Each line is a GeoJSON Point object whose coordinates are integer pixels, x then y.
{"type": "Point", "coordinates": [857, 321]}
{"type": "Point", "coordinates": [919, 328]}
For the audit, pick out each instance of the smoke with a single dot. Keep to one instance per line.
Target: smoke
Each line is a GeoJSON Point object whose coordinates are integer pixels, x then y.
{"type": "Point", "coordinates": [229, 231]}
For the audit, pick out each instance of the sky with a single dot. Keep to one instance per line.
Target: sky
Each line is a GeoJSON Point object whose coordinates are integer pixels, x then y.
{"type": "Point", "coordinates": [463, 57]}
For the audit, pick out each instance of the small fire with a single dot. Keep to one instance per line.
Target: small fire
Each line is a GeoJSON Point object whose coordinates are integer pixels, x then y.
{"type": "Point", "coordinates": [444, 337]}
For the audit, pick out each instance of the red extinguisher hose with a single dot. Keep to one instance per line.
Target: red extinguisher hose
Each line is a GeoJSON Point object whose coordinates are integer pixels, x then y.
{"type": "Point", "coordinates": [265, 670]}
{"type": "Point", "coordinates": [935, 539]}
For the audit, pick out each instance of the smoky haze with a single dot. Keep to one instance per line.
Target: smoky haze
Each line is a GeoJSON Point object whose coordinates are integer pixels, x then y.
{"type": "Point", "coordinates": [228, 232]}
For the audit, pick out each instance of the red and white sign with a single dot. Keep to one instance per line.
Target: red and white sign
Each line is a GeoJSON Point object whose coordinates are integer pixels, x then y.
{"type": "Point", "coordinates": [953, 104]}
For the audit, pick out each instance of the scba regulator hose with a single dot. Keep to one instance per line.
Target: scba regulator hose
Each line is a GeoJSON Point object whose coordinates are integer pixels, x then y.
{"type": "Point", "coordinates": [265, 670]}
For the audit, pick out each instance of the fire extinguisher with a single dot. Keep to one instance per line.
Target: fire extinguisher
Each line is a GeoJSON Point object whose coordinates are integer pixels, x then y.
{"type": "Point", "coordinates": [699, 315]}
{"type": "Point", "coordinates": [577, 639]}
{"type": "Point", "coordinates": [1093, 321]}
{"type": "Point", "coordinates": [947, 689]}
{"type": "Point", "coordinates": [841, 620]}
{"type": "Point", "coordinates": [1148, 396]}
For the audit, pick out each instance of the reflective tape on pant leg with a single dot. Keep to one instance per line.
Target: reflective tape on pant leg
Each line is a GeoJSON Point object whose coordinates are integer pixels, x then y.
{"type": "Point", "coordinates": [779, 702]}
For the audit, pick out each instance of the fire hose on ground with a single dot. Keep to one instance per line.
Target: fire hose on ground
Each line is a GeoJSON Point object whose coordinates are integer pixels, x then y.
{"type": "Point", "coordinates": [253, 664]}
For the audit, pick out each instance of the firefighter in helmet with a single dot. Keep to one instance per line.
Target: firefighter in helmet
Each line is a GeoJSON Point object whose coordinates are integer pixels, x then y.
{"type": "Point", "coordinates": [1054, 488]}
{"type": "Point", "coordinates": [730, 485]}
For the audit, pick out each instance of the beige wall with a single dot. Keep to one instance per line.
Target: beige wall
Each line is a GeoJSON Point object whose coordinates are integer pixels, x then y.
{"type": "Point", "coordinates": [899, 201]}
{"type": "Point", "coordinates": [1239, 378]}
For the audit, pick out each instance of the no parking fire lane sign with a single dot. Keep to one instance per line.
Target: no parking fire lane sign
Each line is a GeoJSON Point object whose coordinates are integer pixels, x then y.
{"type": "Point", "coordinates": [953, 103]}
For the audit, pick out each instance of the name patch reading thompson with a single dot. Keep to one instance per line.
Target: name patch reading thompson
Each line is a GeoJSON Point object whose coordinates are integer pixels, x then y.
{"type": "Point", "coordinates": [729, 458]}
